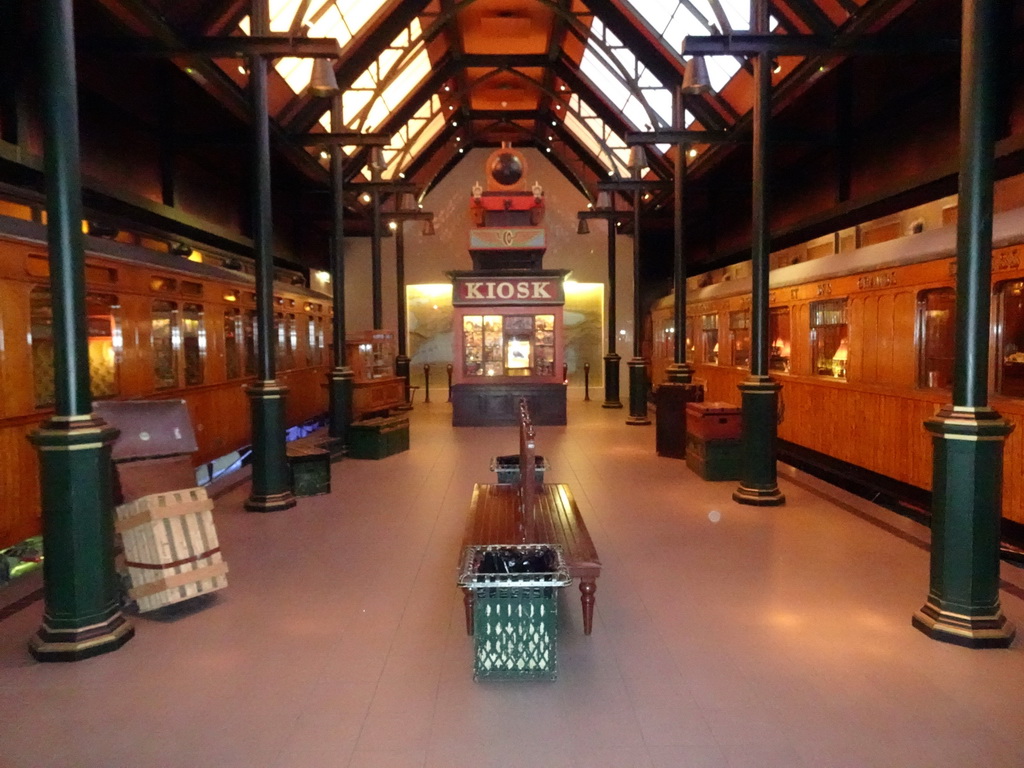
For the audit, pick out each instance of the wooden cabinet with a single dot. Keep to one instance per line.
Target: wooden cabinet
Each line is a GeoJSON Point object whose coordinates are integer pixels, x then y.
{"type": "Point", "coordinates": [376, 389]}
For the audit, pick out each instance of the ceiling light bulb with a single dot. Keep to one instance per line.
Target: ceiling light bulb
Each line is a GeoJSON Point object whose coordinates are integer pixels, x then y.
{"type": "Point", "coordinates": [693, 153]}
{"type": "Point", "coordinates": [447, 88]}
{"type": "Point", "coordinates": [365, 198]}
{"type": "Point", "coordinates": [460, 150]}
{"type": "Point", "coordinates": [455, 123]}
{"type": "Point", "coordinates": [547, 149]}
{"type": "Point", "coordinates": [392, 225]}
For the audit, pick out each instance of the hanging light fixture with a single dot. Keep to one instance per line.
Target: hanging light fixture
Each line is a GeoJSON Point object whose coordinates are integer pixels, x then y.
{"type": "Point", "coordinates": [695, 78]}
{"type": "Point", "coordinates": [323, 83]}
{"type": "Point", "coordinates": [428, 227]}
{"type": "Point", "coordinates": [376, 164]}
{"type": "Point", "coordinates": [604, 201]}
{"type": "Point", "coordinates": [637, 160]}
{"type": "Point", "coordinates": [583, 228]}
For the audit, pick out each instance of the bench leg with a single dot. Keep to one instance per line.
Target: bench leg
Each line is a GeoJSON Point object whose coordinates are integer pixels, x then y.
{"type": "Point", "coordinates": [468, 600]}
{"type": "Point", "coordinates": [587, 589]}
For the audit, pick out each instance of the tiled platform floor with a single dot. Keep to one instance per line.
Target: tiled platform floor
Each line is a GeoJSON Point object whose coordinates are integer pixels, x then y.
{"type": "Point", "coordinates": [773, 637]}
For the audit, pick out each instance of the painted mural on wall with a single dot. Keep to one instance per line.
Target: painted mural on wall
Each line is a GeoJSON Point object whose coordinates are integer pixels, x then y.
{"type": "Point", "coordinates": [429, 310]}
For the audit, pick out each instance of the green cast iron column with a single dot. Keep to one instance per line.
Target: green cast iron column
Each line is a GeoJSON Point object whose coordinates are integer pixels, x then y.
{"type": "Point", "coordinates": [271, 480]}
{"type": "Point", "coordinates": [612, 359]}
{"type": "Point", "coordinates": [679, 372]}
{"type": "Point", "coordinates": [375, 263]}
{"type": "Point", "coordinates": [81, 613]}
{"type": "Point", "coordinates": [402, 359]}
{"type": "Point", "coordinates": [637, 365]}
{"type": "Point", "coordinates": [967, 471]}
{"type": "Point", "coordinates": [341, 377]}
{"type": "Point", "coordinates": [759, 393]}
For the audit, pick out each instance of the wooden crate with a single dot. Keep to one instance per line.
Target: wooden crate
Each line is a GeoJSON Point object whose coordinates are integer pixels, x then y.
{"type": "Point", "coordinates": [170, 547]}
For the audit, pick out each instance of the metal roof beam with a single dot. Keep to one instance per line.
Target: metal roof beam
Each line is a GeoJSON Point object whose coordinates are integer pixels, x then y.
{"type": "Point", "coordinates": [746, 44]}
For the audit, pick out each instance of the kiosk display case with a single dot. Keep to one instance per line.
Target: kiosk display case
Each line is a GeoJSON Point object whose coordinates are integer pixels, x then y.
{"type": "Point", "coordinates": [507, 345]}
{"type": "Point", "coordinates": [376, 389]}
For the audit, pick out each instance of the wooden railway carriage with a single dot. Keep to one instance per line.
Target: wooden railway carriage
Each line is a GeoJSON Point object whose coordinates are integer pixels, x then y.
{"type": "Point", "coordinates": [159, 326]}
{"type": "Point", "coordinates": [862, 343]}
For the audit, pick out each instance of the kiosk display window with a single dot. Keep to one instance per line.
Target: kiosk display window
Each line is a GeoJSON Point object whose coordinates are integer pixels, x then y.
{"type": "Point", "coordinates": [508, 345]}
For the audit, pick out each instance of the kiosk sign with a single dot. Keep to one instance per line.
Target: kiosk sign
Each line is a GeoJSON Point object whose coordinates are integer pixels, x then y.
{"type": "Point", "coordinates": [490, 291]}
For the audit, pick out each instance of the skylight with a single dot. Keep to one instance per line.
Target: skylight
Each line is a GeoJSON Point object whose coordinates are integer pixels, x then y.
{"type": "Point", "coordinates": [594, 134]}
{"type": "Point", "coordinates": [624, 81]}
{"type": "Point", "coordinates": [382, 88]}
{"type": "Point", "coordinates": [341, 19]}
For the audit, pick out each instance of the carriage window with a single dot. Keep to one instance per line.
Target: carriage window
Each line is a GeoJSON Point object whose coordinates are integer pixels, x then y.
{"type": "Point", "coordinates": [709, 335]}
{"type": "Point", "coordinates": [318, 355]}
{"type": "Point", "coordinates": [691, 339]}
{"type": "Point", "coordinates": [281, 335]}
{"type": "Point", "coordinates": [293, 338]}
{"type": "Point", "coordinates": [936, 318]}
{"type": "Point", "coordinates": [249, 341]}
{"type": "Point", "coordinates": [739, 332]}
{"type": "Point", "coordinates": [778, 332]}
{"type": "Point", "coordinates": [310, 341]}
{"type": "Point", "coordinates": [665, 340]}
{"type": "Point", "coordinates": [164, 335]}
{"type": "Point", "coordinates": [830, 348]}
{"type": "Point", "coordinates": [103, 330]}
{"type": "Point", "coordinates": [233, 342]}
{"type": "Point", "coordinates": [193, 342]}
{"type": "Point", "coordinates": [1011, 339]}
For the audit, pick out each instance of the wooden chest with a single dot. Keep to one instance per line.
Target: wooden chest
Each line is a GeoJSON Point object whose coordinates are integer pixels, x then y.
{"type": "Point", "coordinates": [713, 421]}
{"type": "Point", "coordinates": [170, 547]}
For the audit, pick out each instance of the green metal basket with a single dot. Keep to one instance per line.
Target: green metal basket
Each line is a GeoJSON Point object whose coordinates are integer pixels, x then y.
{"type": "Point", "coordinates": [515, 616]}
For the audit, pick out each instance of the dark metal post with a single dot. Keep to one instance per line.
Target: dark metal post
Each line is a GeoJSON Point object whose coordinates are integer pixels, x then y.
{"type": "Point", "coordinates": [637, 365]}
{"type": "Point", "coordinates": [449, 370]}
{"type": "Point", "coordinates": [611, 359]}
{"type": "Point", "coordinates": [967, 476]}
{"type": "Point", "coordinates": [678, 390]}
{"type": "Point", "coordinates": [760, 393]}
{"type": "Point", "coordinates": [680, 371]}
{"type": "Point", "coordinates": [565, 373]}
{"type": "Point", "coordinates": [375, 262]}
{"type": "Point", "coordinates": [341, 378]}
{"type": "Point", "coordinates": [426, 382]}
{"type": "Point", "coordinates": [81, 614]}
{"type": "Point", "coordinates": [402, 360]}
{"type": "Point", "coordinates": [271, 482]}
{"type": "Point", "coordinates": [586, 381]}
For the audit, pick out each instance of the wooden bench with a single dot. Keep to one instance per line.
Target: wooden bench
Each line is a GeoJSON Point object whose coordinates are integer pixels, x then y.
{"type": "Point", "coordinates": [528, 513]}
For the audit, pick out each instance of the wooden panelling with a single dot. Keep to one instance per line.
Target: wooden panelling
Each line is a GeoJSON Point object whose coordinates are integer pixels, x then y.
{"type": "Point", "coordinates": [219, 409]}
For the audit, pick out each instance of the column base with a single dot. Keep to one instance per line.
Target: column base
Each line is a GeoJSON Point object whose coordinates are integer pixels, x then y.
{"type": "Point", "coordinates": [340, 383]}
{"type": "Point", "coordinates": [611, 381]}
{"type": "Point", "coordinates": [679, 373]}
{"type": "Point", "coordinates": [402, 371]}
{"type": "Point", "coordinates": [82, 642]}
{"type": "Point", "coordinates": [759, 497]}
{"type": "Point", "coordinates": [759, 485]}
{"type": "Point", "coordinates": [962, 606]}
{"type": "Point", "coordinates": [271, 489]}
{"type": "Point", "coordinates": [992, 631]}
{"type": "Point", "coordinates": [637, 393]}
{"type": "Point", "coordinates": [273, 502]}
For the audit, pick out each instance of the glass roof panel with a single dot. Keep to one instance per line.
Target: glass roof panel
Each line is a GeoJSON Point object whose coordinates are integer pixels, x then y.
{"type": "Point", "coordinates": [592, 132]}
{"type": "Point", "coordinates": [382, 88]}
{"type": "Point", "coordinates": [341, 19]}
{"type": "Point", "coordinates": [624, 81]}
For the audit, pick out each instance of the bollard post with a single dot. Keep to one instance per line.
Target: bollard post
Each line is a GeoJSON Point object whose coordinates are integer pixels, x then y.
{"type": "Point", "coordinates": [449, 370]}
{"type": "Point", "coordinates": [426, 382]}
{"type": "Point", "coordinates": [586, 381]}
{"type": "Point", "coordinates": [565, 373]}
